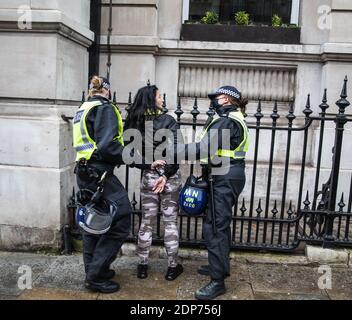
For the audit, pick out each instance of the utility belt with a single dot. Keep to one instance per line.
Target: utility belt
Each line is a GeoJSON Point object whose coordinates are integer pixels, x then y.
{"type": "Point", "coordinates": [89, 170]}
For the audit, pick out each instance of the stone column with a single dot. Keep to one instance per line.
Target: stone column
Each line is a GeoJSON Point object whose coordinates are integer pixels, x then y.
{"type": "Point", "coordinates": [134, 42]}
{"type": "Point", "coordinates": [328, 23]}
{"type": "Point", "coordinates": [167, 66]}
{"type": "Point", "coordinates": [45, 68]}
{"type": "Point", "coordinates": [337, 51]}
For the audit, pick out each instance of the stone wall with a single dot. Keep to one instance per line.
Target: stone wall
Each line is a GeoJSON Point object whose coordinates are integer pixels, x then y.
{"type": "Point", "coordinates": [46, 69]}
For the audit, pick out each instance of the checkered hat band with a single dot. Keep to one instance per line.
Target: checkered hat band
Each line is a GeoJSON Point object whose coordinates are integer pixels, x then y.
{"type": "Point", "coordinates": [104, 85]}
{"type": "Point", "coordinates": [229, 93]}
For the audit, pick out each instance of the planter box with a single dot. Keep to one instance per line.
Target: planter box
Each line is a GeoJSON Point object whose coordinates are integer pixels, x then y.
{"type": "Point", "coordinates": [234, 33]}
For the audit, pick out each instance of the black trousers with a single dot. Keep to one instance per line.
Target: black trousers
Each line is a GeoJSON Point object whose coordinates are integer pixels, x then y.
{"type": "Point", "coordinates": [99, 251]}
{"type": "Point", "coordinates": [226, 192]}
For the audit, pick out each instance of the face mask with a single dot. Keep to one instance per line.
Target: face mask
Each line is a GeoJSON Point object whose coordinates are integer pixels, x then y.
{"type": "Point", "coordinates": [215, 104]}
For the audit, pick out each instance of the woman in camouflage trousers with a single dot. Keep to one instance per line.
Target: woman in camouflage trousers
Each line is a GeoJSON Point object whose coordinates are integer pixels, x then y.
{"type": "Point", "coordinates": [147, 108]}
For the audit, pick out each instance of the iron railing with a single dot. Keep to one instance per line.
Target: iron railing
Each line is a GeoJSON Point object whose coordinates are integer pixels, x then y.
{"type": "Point", "coordinates": [278, 223]}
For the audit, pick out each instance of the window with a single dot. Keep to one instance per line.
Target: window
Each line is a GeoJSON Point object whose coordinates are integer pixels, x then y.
{"type": "Point", "coordinates": [261, 11]}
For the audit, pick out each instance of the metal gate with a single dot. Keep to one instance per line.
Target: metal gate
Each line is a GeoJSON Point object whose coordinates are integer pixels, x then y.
{"type": "Point", "coordinates": [270, 223]}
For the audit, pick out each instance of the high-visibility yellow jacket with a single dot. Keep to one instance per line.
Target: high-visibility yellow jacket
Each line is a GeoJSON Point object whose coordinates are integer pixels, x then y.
{"type": "Point", "coordinates": [82, 141]}
{"type": "Point", "coordinates": [242, 148]}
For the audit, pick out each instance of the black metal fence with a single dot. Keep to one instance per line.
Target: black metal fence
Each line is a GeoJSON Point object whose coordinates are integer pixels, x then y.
{"type": "Point", "coordinates": [280, 220]}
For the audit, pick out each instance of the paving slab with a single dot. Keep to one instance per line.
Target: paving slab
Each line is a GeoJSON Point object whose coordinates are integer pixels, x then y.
{"type": "Point", "coordinates": [237, 285]}
{"type": "Point", "coordinates": [6, 297]}
{"type": "Point", "coordinates": [155, 287]}
{"type": "Point", "coordinates": [56, 294]}
{"type": "Point", "coordinates": [282, 278]}
{"type": "Point", "coordinates": [237, 291]}
{"type": "Point", "coordinates": [66, 272]}
{"type": "Point", "coordinates": [239, 273]}
{"type": "Point", "coordinates": [339, 295]}
{"type": "Point", "coordinates": [190, 281]}
{"type": "Point", "coordinates": [288, 296]}
{"type": "Point", "coordinates": [159, 265]}
{"type": "Point", "coordinates": [14, 265]}
{"type": "Point", "coordinates": [341, 280]}
{"type": "Point", "coordinates": [62, 278]}
{"type": "Point", "coordinates": [269, 258]}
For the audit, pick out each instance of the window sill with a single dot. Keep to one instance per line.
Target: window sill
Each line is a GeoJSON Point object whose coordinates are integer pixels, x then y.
{"type": "Point", "coordinates": [234, 33]}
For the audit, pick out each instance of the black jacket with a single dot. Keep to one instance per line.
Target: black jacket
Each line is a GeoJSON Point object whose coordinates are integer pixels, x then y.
{"type": "Point", "coordinates": [150, 143]}
{"type": "Point", "coordinates": [236, 136]}
{"type": "Point", "coordinates": [102, 126]}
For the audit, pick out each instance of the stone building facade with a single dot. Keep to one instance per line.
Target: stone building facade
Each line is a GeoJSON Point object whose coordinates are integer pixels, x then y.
{"type": "Point", "coordinates": [45, 63]}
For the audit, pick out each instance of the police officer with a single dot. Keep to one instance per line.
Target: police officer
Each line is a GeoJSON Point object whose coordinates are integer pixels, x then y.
{"type": "Point", "coordinates": [98, 141]}
{"type": "Point", "coordinates": [230, 108]}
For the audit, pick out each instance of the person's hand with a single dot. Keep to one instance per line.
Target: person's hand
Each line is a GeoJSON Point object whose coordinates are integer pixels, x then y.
{"type": "Point", "coordinates": [159, 185]}
{"type": "Point", "coordinates": [158, 163]}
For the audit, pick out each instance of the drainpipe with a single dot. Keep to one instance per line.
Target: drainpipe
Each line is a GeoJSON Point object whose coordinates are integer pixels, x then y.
{"type": "Point", "coordinates": [95, 26]}
{"type": "Point", "coordinates": [109, 42]}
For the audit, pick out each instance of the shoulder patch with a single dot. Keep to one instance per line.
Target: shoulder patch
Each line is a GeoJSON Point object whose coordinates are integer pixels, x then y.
{"type": "Point", "coordinates": [78, 116]}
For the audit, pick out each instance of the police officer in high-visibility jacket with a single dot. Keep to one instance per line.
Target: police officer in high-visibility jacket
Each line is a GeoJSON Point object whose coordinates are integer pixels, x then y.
{"type": "Point", "coordinates": [98, 141]}
{"type": "Point", "coordinates": [228, 181]}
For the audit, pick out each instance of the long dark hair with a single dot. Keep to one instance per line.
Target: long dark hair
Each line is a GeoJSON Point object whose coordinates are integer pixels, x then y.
{"type": "Point", "coordinates": [239, 103]}
{"type": "Point", "coordinates": [144, 102]}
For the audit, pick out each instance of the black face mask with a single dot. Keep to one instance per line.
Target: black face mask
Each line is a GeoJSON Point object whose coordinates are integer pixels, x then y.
{"type": "Point", "coordinates": [215, 104]}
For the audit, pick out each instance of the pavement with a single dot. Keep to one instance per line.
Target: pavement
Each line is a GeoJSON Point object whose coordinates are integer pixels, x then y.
{"type": "Point", "coordinates": [254, 276]}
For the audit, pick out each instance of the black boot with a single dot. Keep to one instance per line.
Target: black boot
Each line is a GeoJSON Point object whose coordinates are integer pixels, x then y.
{"type": "Point", "coordinates": [108, 274]}
{"type": "Point", "coordinates": [142, 271]}
{"type": "Point", "coordinates": [173, 272]}
{"type": "Point", "coordinates": [204, 270]}
{"type": "Point", "coordinates": [213, 289]}
{"type": "Point", "coordinates": [107, 286]}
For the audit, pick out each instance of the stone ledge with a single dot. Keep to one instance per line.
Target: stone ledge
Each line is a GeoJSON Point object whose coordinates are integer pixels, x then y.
{"type": "Point", "coordinates": [129, 250]}
{"type": "Point", "coordinates": [148, 40]}
{"type": "Point", "coordinates": [341, 5]}
{"type": "Point", "coordinates": [158, 252]}
{"type": "Point", "coordinates": [269, 258]}
{"type": "Point", "coordinates": [338, 48]}
{"type": "Point", "coordinates": [18, 238]}
{"type": "Point", "coordinates": [275, 52]}
{"type": "Point", "coordinates": [48, 27]}
{"type": "Point", "coordinates": [330, 256]}
{"type": "Point", "coordinates": [40, 111]}
{"type": "Point", "coordinates": [47, 21]}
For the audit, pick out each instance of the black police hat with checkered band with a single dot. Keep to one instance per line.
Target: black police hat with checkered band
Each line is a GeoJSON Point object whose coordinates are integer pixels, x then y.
{"type": "Point", "coordinates": [228, 90]}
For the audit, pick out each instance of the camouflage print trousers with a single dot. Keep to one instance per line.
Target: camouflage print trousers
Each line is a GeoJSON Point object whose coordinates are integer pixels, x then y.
{"type": "Point", "coordinates": [167, 201]}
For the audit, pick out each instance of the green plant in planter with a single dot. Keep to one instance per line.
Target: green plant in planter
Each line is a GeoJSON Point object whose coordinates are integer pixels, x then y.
{"type": "Point", "coordinates": [210, 18]}
{"type": "Point", "coordinates": [242, 18]}
{"type": "Point", "coordinates": [276, 21]}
